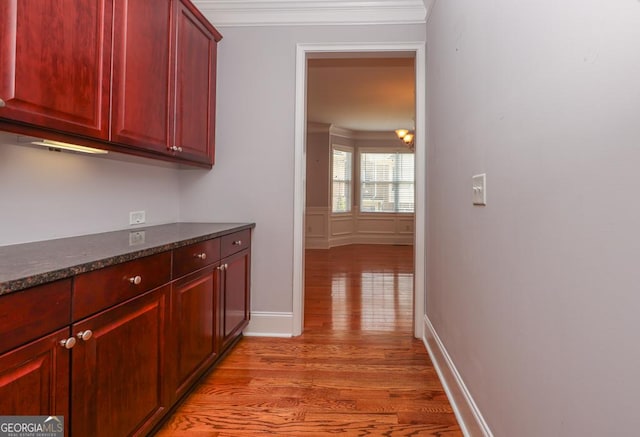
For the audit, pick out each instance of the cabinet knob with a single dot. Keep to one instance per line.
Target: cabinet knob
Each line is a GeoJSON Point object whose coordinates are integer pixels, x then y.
{"type": "Point", "coordinates": [202, 255]}
{"type": "Point", "coordinates": [84, 335]}
{"type": "Point", "coordinates": [175, 148]}
{"type": "Point", "coordinates": [226, 266]}
{"type": "Point", "coordinates": [135, 280]}
{"type": "Point", "coordinates": [2, 104]}
{"type": "Point", "coordinates": [222, 267]}
{"type": "Point", "coordinates": [68, 343]}
{"type": "Point", "coordinates": [237, 243]}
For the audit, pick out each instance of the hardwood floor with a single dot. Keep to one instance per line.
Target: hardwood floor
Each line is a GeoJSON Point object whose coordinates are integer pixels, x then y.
{"type": "Point", "coordinates": [356, 370]}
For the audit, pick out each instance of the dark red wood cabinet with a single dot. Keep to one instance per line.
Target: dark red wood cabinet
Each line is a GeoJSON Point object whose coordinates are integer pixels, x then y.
{"type": "Point", "coordinates": [132, 76]}
{"type": "Point", "coordinates": [195, 337]}
{"type": "Point", "coordinates": [195, 57]}
{"type": "Point", "coordinates": [142, 109]}
{"type": "Point", "coordinates": [55, 64]}
{"type": "Point", "coordinates": [234, 296]}
{"type": "Point", "coordinates": [119, 365]}
{"type": "Point", "coordinates": [235, 282]}
{"type": "Point", "coordinates": [34, 354]}
{"type": "Point", "coordinates": [34, 378]}
{"type": "Point", "coordinates": [112, 350]}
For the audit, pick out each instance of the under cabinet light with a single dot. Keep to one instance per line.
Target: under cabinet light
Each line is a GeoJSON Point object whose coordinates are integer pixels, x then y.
{"type": "Point", "coordinates": [66, 146]}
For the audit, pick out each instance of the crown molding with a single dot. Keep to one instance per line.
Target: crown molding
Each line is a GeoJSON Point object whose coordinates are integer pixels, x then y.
{"type": "Point", "coordinates": [313, 12]}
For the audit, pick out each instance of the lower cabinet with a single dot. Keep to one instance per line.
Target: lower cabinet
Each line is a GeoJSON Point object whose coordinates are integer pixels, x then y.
{"type": "Point", "coordinates": [118, 367]}
{"type": "Point", "coordinates": [34, 378]}
{"type": "Point", "coordinates": [234, 295]}
{"type": "Point", "coordinates": [194, 302]}
{"type": "Point", "coordinates": [114, 349]}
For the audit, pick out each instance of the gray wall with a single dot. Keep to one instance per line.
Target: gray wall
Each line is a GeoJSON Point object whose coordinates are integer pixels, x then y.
{"type": "Point", "coordinates": [318, 172]}
{"type": "Point", "coordinates": [254, 177]}
{"type": "Point", "coordinates": [535, 296]}
{"type": "Point", "coordinates": [46, 195]}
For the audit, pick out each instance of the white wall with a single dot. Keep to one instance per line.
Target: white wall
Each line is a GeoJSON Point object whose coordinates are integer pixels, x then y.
{"type": "Point", "coordinates": [254, 177]}
{"type": "Point", "coordinates": [46, 195]}
{"type": "Point", "coordinates": [536, 296]}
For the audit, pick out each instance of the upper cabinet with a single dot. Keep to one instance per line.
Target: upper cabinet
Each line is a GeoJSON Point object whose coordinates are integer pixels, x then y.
{"type": "Point", "coordinates": [132, 76]}
{"type": "Point", "coordinates": [196, 44]}
{"type": "Point", "coordinates": [142, 83]}
{"type": "Point", "coordinates": [55, 64]}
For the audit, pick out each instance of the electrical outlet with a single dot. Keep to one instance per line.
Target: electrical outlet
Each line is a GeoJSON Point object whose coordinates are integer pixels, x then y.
{"type": "Point", "coordinates": [136, 238]}
{"type": "Point", "coordinates": [137, 217]}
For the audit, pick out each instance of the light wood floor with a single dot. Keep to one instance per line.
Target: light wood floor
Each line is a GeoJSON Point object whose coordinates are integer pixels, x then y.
{"type": "Point", "coordinates": [356, 370]}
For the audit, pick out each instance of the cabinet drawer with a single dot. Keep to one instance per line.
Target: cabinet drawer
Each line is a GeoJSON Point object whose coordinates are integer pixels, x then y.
{"type": "Point", "coordinates": [195, 256]}
{"type": "Point", "coordinates": [100, 289]}
{"type": "Point", "coordinates": [235, 242]}
{"type": "Point", "coordinates": [29, 314]}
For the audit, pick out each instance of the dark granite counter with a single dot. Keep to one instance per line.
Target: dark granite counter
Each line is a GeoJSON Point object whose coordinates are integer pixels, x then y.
{"type": "Point", "coordinates": [29, 264]}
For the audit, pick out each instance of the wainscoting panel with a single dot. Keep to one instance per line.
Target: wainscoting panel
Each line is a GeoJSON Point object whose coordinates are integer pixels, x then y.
{"type": "Point", "coordinates": [325, 230]}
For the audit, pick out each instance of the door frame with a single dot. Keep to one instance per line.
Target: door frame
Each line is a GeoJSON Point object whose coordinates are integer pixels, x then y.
{"type": "Point", "coordinates": [302, 53]}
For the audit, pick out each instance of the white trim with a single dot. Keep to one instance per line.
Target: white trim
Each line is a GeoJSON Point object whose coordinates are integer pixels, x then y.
{"type": "Point", "coordinates": [299, 187]}
{"type": "Point", "coordinates": [342, 132]}
{"type": "Point", "coordinates": [317, 128]}
{"type": "Point", "coordinates": [420, 224]}
{"type": "Point", "coordinates": [312, 12]}
{"type": "Point", "coordinates": [467, 412]}
{"type": "Point", "coordinates": [300, 167]}
{"type": "Point", "coordinates": [267, 324]}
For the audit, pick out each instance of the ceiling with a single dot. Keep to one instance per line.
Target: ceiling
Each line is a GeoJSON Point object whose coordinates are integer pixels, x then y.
{"type": "Point", "coordinates": [362, 94]}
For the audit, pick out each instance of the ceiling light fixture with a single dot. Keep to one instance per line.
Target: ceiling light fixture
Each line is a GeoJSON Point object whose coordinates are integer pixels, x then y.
{"type": "Point", "coordinates": [58, 145]}
{"type": "Point", "coordinates": [407, 137]}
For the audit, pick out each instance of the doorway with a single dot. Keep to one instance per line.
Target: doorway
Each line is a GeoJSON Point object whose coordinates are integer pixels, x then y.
{"type": "Point", "coordinates": [304, 52]}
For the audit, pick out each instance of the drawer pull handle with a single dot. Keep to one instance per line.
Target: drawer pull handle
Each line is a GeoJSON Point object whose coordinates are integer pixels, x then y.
{"type": "Point", "coordinates": [68, 343]}
{"type": "Point", "coordinates": [85, 335]}
{"type": "Point", "coordinates": [135, 280]}
{"type": "Point", "coordinates": [202, 255]}
{"type": "Point", "coordinates": [237, 243]}
{"type": "Point", "coordinates": [2, 105]}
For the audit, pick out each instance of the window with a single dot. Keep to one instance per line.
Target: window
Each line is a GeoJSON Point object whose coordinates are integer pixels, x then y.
{"type": "Point", "coordinates": [341, 175]}
{"type": "Point", "coordinates": [387, 182]}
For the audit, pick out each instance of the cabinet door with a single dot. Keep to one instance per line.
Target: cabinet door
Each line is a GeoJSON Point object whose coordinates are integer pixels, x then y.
{"type": "Point", "coordinates": [194, 306]}
{"type": "Point", "coordinates": [141, 74]}
{"type": "Point", "coordinates": [34, 379]}
{"type": "Point", "coordinates": [118, 375]}
{"type": "Point", "coordinates": [235, 295]}
{"type": "Point", "coordinates": [195, 54]}
{"type": "Point", "coordinates": [55, 61]}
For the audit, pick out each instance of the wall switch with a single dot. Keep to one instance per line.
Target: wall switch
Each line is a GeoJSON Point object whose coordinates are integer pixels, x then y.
{"type": "Point", "coordinates": [480, 189]}
{"type": "Point", "coordinates": [137, 217]}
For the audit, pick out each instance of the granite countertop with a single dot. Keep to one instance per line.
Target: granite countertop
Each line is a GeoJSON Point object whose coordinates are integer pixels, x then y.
{"type": "Point", "coordinates": [30, 264]}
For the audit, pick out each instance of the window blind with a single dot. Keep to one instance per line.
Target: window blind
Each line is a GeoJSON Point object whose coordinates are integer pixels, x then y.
{"type": "Point", "coordinates": [341, 176]}
{"type": "Point", "coordinates": [387, 182]}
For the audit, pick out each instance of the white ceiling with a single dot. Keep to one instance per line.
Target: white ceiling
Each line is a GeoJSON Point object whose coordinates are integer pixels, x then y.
{"type": "Point", "coordinates": [362, 94]}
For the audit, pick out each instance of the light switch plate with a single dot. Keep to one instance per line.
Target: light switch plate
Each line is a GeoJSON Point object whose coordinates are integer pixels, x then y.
{"type": "Point", "coordinates": [480, 189]}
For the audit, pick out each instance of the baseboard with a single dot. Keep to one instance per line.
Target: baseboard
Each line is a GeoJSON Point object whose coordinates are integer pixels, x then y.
{"type": "Point", "coordinates": [268, 324]}
{"type": "Point", "coordinates": [469, 416]}
{"type": "Point", "coordinates": [315, 243]}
